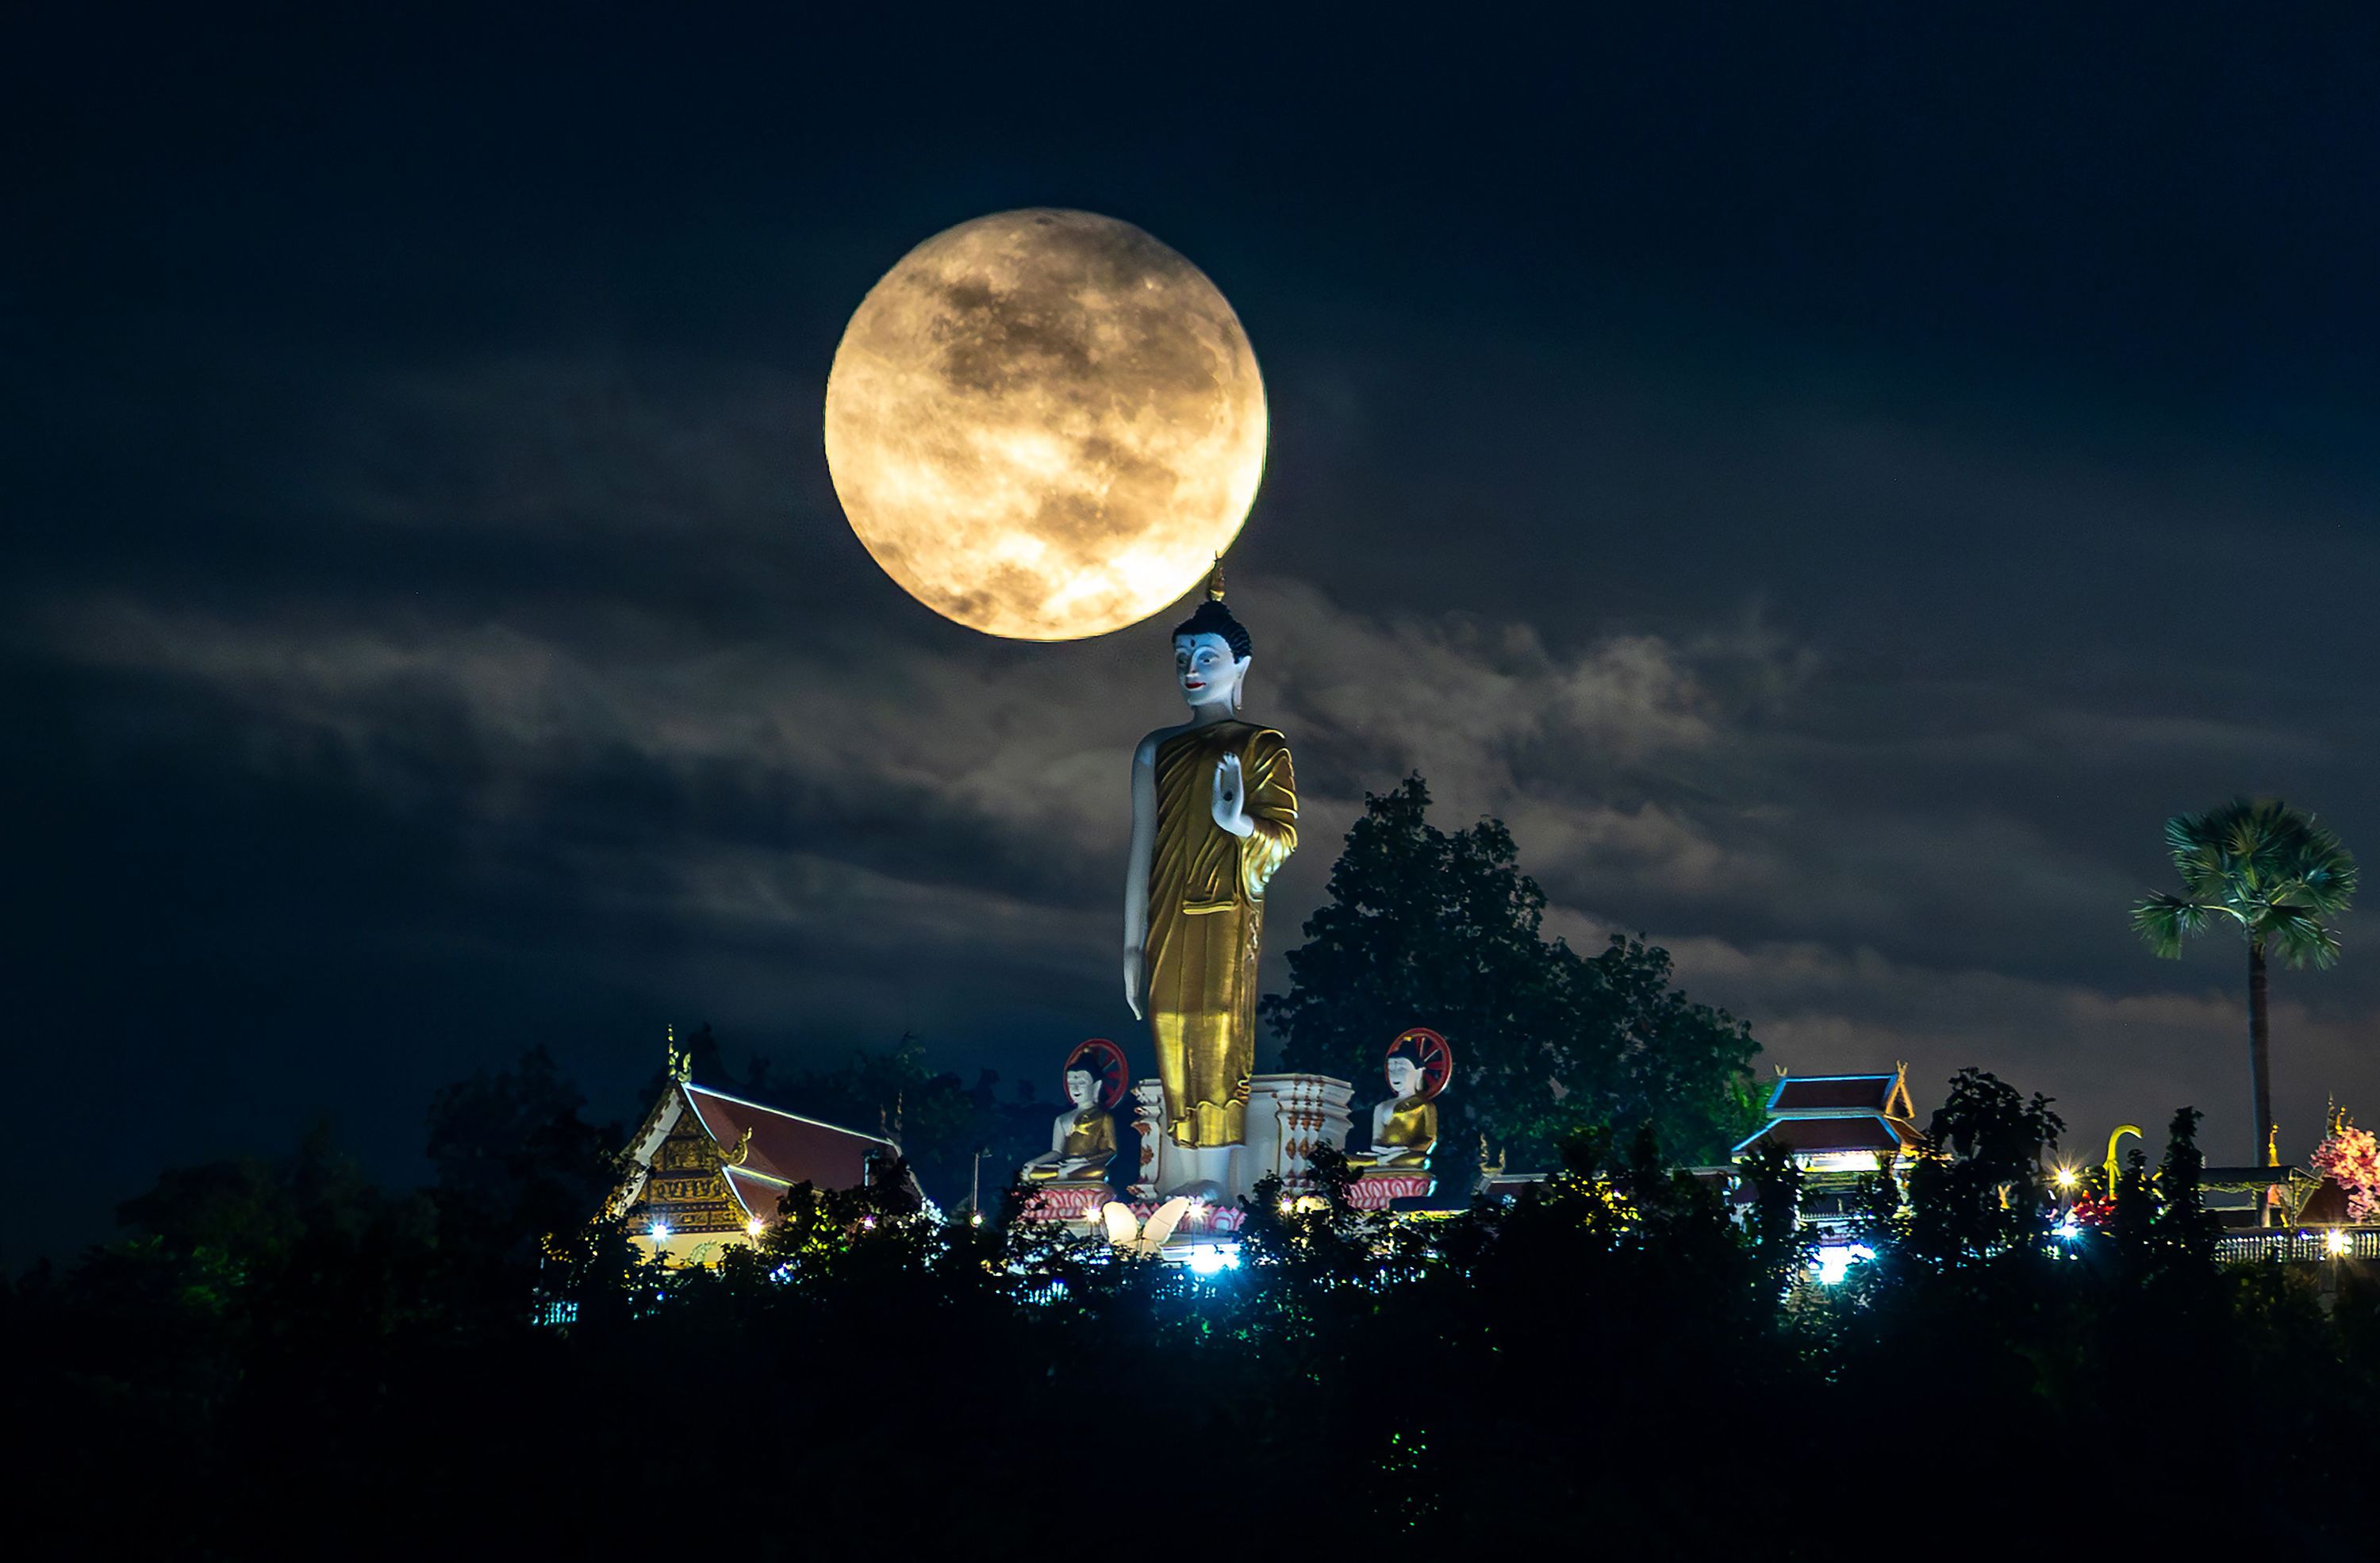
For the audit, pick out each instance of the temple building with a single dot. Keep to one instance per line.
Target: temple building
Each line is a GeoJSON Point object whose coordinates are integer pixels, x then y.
{"type": "Point", "coordinates": [1839, 1128]}
{"type": "Point", "coordinates": [706, 1170]}
{"type": "Point", "coordinates": [1838, 1123]}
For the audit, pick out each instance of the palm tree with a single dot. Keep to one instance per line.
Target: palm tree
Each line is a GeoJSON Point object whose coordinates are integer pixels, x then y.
{"type": "Point", "coordinates": [2276, 875]}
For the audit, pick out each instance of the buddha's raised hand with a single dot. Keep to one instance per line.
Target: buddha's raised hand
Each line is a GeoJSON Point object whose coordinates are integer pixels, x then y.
{"type": "Point", "coordinates": [1230, 803]}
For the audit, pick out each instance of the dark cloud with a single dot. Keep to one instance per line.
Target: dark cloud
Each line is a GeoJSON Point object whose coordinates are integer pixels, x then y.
{"type": "Point", "coordinates": [1832, 496]}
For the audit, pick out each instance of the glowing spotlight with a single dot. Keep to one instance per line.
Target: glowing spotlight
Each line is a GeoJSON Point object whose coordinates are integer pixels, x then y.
{"type": "Point", "coordinates": [752, 1228]}
{"type": "Point", "coordinates": [1834, 1263]}
{"type": "Point", "coordinates": [2066, 1178]}
{"type": "Point", "coordinates": [660, 1232]}
{"type": "Point", "coordinates": [1208, 1258]}
{"type": "Point", "coordinates": [2068, 1229]}
{"type": "Point", "coordinates": [2335, 1243]}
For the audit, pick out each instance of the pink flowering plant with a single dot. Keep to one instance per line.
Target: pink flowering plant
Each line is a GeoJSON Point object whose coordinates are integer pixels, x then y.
{"type": "Point", "coordinates": [2350, 1157]}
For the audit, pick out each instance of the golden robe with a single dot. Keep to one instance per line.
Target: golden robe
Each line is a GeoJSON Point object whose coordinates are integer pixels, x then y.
{"type": "Point", "coordinates": [1091, 1136]}
{"type": "Point", "coordinates": [1206, 918]}
{"type": "Point", "coordinates": [1411, 1135]}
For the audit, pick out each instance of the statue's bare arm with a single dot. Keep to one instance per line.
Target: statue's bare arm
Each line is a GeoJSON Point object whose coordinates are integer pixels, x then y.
{"type": "Point", "coordinates": [1135, 871]}
{"type": "Point", "coordinates": [1057, 1153]}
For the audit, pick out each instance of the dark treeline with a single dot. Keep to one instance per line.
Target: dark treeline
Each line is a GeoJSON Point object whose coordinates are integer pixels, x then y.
{"type": "Point", "coordinates": [279, 1350]}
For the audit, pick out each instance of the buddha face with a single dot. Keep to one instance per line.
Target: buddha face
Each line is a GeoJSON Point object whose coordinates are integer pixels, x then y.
{"type": "Point", "coordinates": [1207, 670]}
{"type": "Point", "coordinates": [1082, 1087]}
{"type": "Point", "coordinates": [1405, 1076]}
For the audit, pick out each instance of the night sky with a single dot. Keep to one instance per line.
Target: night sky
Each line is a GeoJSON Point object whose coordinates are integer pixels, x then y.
{"type": "Point", "coordinates": [1833, 483]}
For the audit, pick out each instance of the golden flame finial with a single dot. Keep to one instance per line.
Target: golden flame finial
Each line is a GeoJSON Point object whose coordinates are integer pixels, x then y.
{"type": "Point", "coordinates": [1215, 581]}
{"type": "Point", "coordinates": [681, 1060]}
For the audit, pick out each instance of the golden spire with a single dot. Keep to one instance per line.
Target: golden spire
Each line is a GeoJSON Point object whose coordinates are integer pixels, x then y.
{"type": "Point", "coordinates": [1215, 581]}
{"type": "Point", "coordinates": [681, 1065]}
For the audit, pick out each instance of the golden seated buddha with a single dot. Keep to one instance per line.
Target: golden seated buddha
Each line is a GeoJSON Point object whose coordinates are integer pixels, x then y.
{"type": "Point", "coordinates": [1082, 1140]}
{"type": "Point", "coordinates": [1404, 1128]}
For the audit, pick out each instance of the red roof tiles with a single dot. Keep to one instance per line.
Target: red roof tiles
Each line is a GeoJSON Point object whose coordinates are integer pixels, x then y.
{"type": "Point", "coordinates": [1810, 1136]}
{"type": "Point", "coordinates": [786, 1147]}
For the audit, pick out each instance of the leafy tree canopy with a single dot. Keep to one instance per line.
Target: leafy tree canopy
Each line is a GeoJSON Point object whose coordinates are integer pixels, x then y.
{"type": "Point", "coordinates": [278, 1337]}
{"type": "Point", "coordinates": [941, 1122]}
{"type": "Point", "coordinates": [1425, 926]}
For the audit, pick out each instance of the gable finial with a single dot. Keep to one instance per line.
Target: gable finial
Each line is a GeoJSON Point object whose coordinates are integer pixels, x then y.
{"type": "Point", "coordinates": [1215, 581]}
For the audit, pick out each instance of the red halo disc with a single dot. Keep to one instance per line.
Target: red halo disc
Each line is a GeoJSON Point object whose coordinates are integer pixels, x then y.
{"type": "Point", "coordinates": [1105, 1060]}
{"type": "Point", "coordinates": [1430, 1051]}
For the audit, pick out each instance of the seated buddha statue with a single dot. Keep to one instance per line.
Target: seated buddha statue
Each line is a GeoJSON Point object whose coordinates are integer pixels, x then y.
{"type": "Point", "coordinates": [1082, 1140]}
{"type": "Point", "coordinates": [1404, 1128]}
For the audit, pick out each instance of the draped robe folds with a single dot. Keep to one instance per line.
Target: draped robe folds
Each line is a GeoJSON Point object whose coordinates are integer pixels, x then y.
{"type": "Point", "coordinates": [1408, 1141]}
{"type": "Point", "coordinates": [1090, 1136]}
{"type": "Point", "coordinates": [1206, 919]}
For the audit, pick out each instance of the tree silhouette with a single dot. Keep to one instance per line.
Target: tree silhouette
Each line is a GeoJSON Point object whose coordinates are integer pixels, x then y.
{"type": "Point", "coordinates": [2278, 877]}
{"type": "Point", "coordinates": [1441, 928]}
{"type": "Point", "coordinates": [276, 1337]}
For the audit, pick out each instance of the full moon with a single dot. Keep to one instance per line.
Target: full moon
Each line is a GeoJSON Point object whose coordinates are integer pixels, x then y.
{"type": "Point", "coordinates": [1045, 424]}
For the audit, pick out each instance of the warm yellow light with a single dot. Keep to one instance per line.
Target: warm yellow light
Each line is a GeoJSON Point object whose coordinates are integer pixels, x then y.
{"type": "Point", "coordinates": [2067, 1177]}
{"type": "Point", "coordinates": [2335, 1244]}
{"type": "Point", "coordinates": [1045, 424]}
{"type": "Point", "coordinates": [752, 1228]}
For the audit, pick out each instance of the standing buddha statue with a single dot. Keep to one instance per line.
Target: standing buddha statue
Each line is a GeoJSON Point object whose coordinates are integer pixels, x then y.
{"type": "Point", "coordinates": [1214, 814]}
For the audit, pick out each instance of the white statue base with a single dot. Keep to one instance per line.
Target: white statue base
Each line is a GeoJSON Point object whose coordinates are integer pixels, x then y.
{"type": "Point", "coordinates": [1288, 1117]}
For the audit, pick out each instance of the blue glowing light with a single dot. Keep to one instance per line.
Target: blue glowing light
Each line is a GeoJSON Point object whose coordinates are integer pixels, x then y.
{"type": "Point", "coordinates": [1834, 1262]}
{"type": "Point", "coordinates": [1208, 1258]}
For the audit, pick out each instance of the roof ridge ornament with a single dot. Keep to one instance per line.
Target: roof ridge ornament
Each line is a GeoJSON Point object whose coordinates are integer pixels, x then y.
{"type": "Point", "coordinates": [680, 1060]}
{"type": "Point", "coordinates": [738, 1153]}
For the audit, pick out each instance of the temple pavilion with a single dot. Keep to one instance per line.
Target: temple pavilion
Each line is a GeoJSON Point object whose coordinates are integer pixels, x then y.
{"type": "Point", "coordinates": [706, 1169]}
{"type": "Point", "coordinates": [1839, 1128]}
{"type": "Point", "coordinates": [1838, 1123]}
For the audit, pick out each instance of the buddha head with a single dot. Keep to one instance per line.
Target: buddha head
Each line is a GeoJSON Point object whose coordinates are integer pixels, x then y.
{"type": "Point", "coordinates": [1211, 651]}
{"type": "Point", "coordinates": [1082, 1087]}
{"type": "Point", "coordinates": [1419, 1063]}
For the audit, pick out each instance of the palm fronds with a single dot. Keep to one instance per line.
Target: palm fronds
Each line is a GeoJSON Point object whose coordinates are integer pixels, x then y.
{"type": "Point", "coordinates": [2272, 869]}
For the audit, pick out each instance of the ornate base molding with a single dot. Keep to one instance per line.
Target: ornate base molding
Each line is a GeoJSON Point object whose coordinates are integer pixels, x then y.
{"type": "Point", "coordinates": [1376, 1191]}
{"type": "Point", "coordinates": [1288, 1116]}
{"type": "Point", "coordinates": [1067, 1202]}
